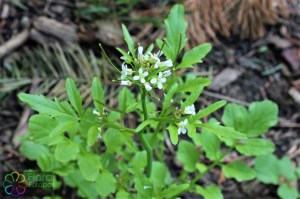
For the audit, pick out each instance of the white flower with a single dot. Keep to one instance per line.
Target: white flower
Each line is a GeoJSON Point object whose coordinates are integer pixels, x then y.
{"type": "Point", "coordinates": [182, 127]}
{"type": "Point", "coordinates": [167, 73]}
{"type": "Point", "coordinates": [147, 86]}
{"type": "Point", "coordinates": [167, 63]}
{"type": "Point", "coordinates": [140, 53]}
{"type": "Point", "coordinates": [159, 80]}
{"type": "Point", "coordinates": [125, 71]}
{"type": "Point", "coordinates": [126, 83]}
{"type": "Point", "coordinates": [95, 112]}
{"type": "Point", "coordinates": [141, 76]}
{"type": "Point", "coordinates": [190, 110]}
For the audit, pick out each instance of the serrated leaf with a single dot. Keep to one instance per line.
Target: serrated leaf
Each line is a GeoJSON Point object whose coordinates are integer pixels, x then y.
{"type": "Point", "coordinates": [128, 40]}
{"type": "Point", "coordinates": [210, 192]}
{"type": "Point", "coordinates": [106, 184]}
{"type": "Point", "coordinates": [74, 96]}
{"type": "Point", "coordinates": [255, 146]}
{"type": "Point", "coordinates": [175, 40]}
{"type": "Point", "coordinates": [195, 55]}
{"type": "Point", "coordinates": [89, 165]}
{"type": "Point", "coordinates": [266, 167]}
{"type": "Point", "coordinates": [188, 155]}
{"type": "Point", "coordinates": [92, 135]}
{"type": "Point", "coordinates": [42, 104]}
{"type": "Point", "coordinates": [287, 192]}
{"type": "Point", "coordinates": [173, 131]}
{"type": "Point", "coordinates": [97, 94]}
{"type": "Point", "coordinates": [66, 151]}
{"type": "Point", "coordinates": [222, 131]}
{"type": "Point", "coordinates": [208, 110]}
{"type": "Point", "coordinates": [239, 171]}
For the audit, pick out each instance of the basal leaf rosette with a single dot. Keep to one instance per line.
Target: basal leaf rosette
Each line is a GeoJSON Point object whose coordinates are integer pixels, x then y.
{"type": "Point", "coordinates": [15, 184]}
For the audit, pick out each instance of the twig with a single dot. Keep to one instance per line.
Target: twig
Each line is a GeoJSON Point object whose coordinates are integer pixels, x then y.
{"type": "Point", "coordinates": [230, 99]}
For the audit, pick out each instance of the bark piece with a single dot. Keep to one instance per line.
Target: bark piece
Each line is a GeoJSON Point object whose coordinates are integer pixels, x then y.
{"type": "Point", "coordinates": [226, 77]}
{"type": "Point", "coordinates": [64, 32]}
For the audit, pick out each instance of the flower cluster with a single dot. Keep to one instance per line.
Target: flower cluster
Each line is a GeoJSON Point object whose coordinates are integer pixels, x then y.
{"type": "Point", "coordinates": [148, 70]}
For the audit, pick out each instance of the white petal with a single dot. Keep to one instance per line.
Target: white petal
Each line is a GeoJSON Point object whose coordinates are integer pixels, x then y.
{"type": "Point", "coordinates": [185, 122]}
{"type": "Point", "coordinates": [143, 80]}
{"type": "Point", "coordinates": [159, 85]}
{"type": "Point", "coordinates": [183, 130]}
{"type": "Point", "coordinates": [179, 131]}
{"type": "Point", "coordinates": [146, 74]}
{"type": "Point", "coordinates": [136, 77]}
{"type": "Point", "coordinates": [168, 63]}
{"type": "Point", "coordinates": [140, 50]}
{"type": "Point", "coordinates": [140, 71]}
{"type": "Point", "coordinates": [163, 80]}
{"type": "Point", "coordinates": [153, 81]}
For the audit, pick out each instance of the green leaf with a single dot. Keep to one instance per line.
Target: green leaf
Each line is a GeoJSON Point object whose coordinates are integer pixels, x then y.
{"type": "Point", "coordinates": [173, 131]}
{"type": "Point", "coordinates": [260, 117]}
{"type": "Point", "coordinates": [208, 110]}
{"type": "Point", "coordinates": [97, 94]}
{"type": "Point", "coordinates": [32, 150]}
{"type": "Point", "coordinates": [287, 169]}
{"type": "Point", "coordinates": [143, 186]}
{"type": "Point", "coordinates": [236, 116]}
{"type": "Point", "coordinates": [174, 190]}
{"type": "Point", "coordinates": [175, 40]}
{"type": "Point", "coordinates": [62, 127]}
{"type": "Point", "coordinates": [66, 151]}
{"type": "Point", "coordinates": [139, 161]}
{"type": "Point", "coordinates": [92, 135]}
{"type": "Point", "coordinates": [89, 165]}
{"type": "Point", "coordinates": [287, 192]}
{"type": "Point", "coordinates": [106, 184]}
{"type": "Point", "coordinates": [210, 144]}
{"type": "Point", "coordinates": [191, 130]}
{"type": "Point", "coordinates": [74, 96]}
{"type": "Point", "coordinates": [160, 175]}
{"type": "Point", "coordinates": [191, 85]}
{"type": "Point", "coordinates": [169, 96]}
{"type": "Point", "coordinates": [210, 192]}
{"type": "Point", "coordinates": [143, 125]}
{"type": "Point", "coordinates": [125, 98]}
{"type": "Point", "coordinates": [238, 170]}
{"type": "Point", "coordinates": [190, 99]}
{"type": "Point", "coordinates": [128, 40]}
{"type": "Point", "coordinates": [188, 155]}
{"type": "Point", "coordinates": [42, 104]}
{"type": "Point", "coordinates": [263, 115]}
{"type": "Point", "coordinates": [255, 146]}
{"type": "Point", "coordinates": [222, 131]}
{"type": "Point", "coordinates": [195, 55]}
{"type": "Point", "coordinates": [128, 58]}
{"type": "Point", "coordinates": [267, 169]}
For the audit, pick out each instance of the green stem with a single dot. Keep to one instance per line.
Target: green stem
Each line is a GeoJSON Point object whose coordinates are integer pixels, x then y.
{"type": "Point", "coordinates": [142, 138]}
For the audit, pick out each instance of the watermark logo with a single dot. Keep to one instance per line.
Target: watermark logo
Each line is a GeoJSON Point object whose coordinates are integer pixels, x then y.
{"type": "Point", "coordinates": [14, 184]}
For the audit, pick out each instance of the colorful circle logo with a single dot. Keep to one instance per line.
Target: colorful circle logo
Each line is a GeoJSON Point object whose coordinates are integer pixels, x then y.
{"type": "Point", "coordinates": [14, 184]}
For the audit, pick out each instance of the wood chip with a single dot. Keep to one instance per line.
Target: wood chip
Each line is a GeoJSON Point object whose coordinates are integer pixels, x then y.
{"type": "Point", "coordinates": [13, 43]}
{"type": "Point", "coordinates": [66, 33]}
{"type": "Point", "coordinates": [226, 77]}
{"type": "Point", "coordinates": [295, 94]}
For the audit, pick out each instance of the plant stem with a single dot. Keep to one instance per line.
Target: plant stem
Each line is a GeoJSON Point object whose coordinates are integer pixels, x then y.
{"type": "Point", "coordinates": [142, 138]}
